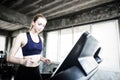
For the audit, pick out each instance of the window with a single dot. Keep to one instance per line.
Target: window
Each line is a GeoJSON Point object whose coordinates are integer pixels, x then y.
{"type": "Point", "coordinates": [52, 45]}
{"type": "Point", "coordinates": [2, 42]}
{"type": "Point", "coordinates": [108, 35]}
{"type": "Point", "coordinates": [66, 43]}
{"type": "Point", "coordinates": [77, 32]}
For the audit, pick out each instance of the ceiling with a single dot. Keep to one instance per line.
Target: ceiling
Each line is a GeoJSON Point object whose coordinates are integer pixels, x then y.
{"type": "Point", "coordinates": [16, 14]}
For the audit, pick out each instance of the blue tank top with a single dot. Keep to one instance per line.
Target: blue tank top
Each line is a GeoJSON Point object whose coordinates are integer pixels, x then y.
{"type": "Point", "coordinates": [32, 48]}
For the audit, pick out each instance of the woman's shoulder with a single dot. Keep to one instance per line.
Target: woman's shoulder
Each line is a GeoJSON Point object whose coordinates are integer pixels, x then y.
{"type": "Point", "coordinates": [21, 35]}
{"type": "Point", "coordinates": [42, 39]}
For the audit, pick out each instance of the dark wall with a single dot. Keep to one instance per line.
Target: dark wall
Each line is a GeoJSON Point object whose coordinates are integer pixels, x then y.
{"type": "Point", "coordinates": [98, 13]}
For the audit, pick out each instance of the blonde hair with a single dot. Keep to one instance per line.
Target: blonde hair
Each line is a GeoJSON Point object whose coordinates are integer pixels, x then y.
{"type": "Point", "coordinates": [36, 17]}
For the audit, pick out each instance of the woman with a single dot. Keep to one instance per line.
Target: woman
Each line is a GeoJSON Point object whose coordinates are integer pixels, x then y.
{"type": "Point", "coordinates": [31, 45]}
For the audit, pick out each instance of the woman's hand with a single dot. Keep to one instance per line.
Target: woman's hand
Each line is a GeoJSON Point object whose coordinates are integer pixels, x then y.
{"type": "Point", "coordinates": [27, 62]}
{"type": "Point", "coordinates": [47, 61]}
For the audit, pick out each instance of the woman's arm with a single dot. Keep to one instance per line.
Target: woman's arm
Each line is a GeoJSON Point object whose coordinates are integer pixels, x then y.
{"type": "Point", "coordinates": [47, 61]}
{"type": "Point", "coordinates": [16, 45]}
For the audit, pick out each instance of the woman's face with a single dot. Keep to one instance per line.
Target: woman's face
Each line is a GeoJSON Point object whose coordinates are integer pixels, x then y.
{"type": "Point", "coordinates": [39, 24]}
